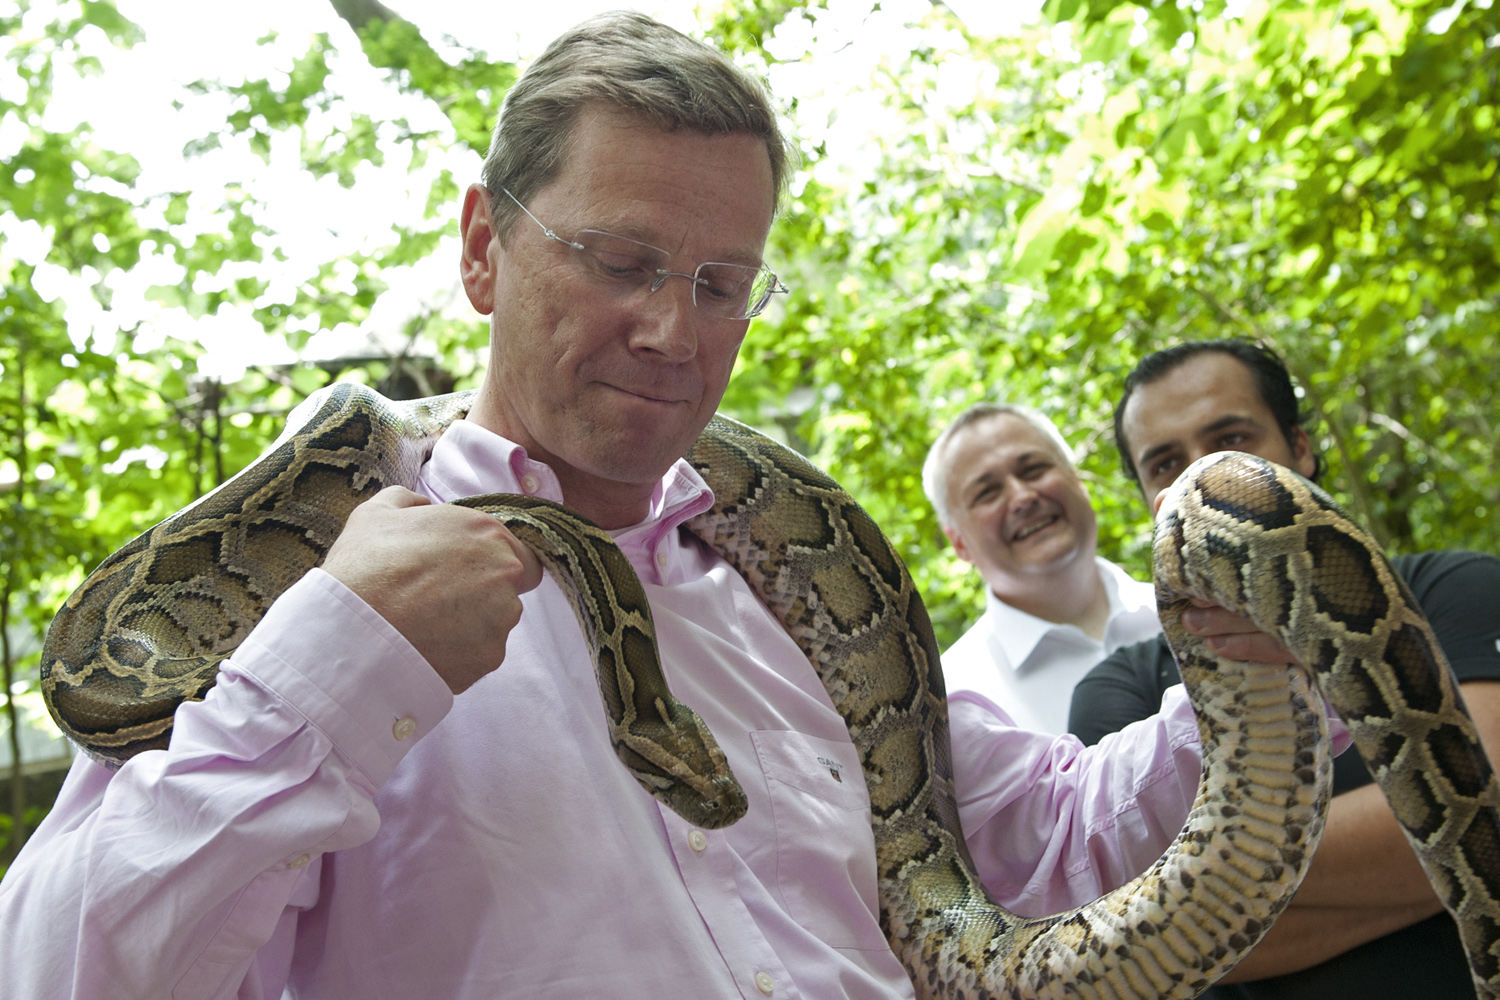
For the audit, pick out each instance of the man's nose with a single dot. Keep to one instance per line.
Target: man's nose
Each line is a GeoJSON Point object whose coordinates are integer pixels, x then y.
{"type": "Point", "coordinates": [668, 319]}
{"type": "Point", "coordinates": [1023, 493]}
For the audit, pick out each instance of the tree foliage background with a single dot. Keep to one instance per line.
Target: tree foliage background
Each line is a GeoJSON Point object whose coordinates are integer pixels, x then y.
{"type": "Point", "coordinates": [1007, 218]}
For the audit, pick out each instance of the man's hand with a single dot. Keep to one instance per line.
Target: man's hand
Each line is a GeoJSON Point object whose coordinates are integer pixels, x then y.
{"type": "Point", "coordinates": [1229, 635]}
{"type": "Point", "coordinates": [448, 578]}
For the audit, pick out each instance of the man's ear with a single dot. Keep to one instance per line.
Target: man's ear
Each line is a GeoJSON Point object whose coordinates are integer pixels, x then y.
{"type": "Point", "coordinates": [1302, 452]}
{"type": "Point", "coordinates": [476, 229]}
{"type": "Point", "coordinates": [959, 547]}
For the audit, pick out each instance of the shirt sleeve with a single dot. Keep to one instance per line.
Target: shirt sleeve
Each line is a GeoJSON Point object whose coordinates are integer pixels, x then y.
{"type": "Point", "coordinates": [180, 875]}
{"type": "Point", "coordinates": [1052, 824]}
{"type": "Point", "coordinates": [1124, 687]}
{"type": "Point", "coordinates": [1459, 592]}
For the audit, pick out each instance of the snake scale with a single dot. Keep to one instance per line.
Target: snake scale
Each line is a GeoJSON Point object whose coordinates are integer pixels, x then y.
{"type": "Point", "coordinates": [146, 631]}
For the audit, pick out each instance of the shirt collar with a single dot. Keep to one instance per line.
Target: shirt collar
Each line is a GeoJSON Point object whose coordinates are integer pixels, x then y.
{"type": "Point", "coordinates": [469, 460]}
{"type": "Point", "coordinates": [1125, 593]}
{"type": "Point", "coordinates": [1018, 633]}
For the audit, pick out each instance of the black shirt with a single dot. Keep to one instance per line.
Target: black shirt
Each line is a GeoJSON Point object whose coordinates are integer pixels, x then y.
{"type": "Point", "coordinates": [1460, 593]}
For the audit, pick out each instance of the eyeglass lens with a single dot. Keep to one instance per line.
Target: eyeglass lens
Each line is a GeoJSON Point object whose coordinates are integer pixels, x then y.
{"type": "Point", "coordinates": [729, 291]}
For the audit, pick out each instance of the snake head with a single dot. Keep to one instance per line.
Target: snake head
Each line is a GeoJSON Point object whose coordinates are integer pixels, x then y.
{"type": "Point", "coordinates": [719, 802]}
{"type": "Point", "coordinates": [671, 752]}
{"type": "Point", "coordinates": [1205, 519]}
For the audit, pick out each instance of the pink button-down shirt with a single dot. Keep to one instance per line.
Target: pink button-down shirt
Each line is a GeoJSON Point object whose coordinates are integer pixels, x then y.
{"type": "Point", "coordinates": [332, 820]}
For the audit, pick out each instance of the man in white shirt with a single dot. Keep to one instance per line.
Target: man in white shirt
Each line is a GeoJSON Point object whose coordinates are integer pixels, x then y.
{"type": "Point", "coordinates": [1007, 495]}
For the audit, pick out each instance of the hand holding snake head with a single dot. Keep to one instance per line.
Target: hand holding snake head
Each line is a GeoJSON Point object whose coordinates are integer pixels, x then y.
{"type": "Point", "coordinates": [1235, 636]}
{"type": "Point", "coordinates": [450, 577]}
{"type": "Point", "coordinates": [446, 577]}
{"type": "Point", "coordinates": [1224, 632]}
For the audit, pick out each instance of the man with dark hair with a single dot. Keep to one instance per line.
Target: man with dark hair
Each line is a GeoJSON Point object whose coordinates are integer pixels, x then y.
{"type": "Point", "coordinates": [1365, 925]}
{"type": "Point", "coordinates": [1272, 383]}
{"type": "Point", "coordinates": [402, 786]}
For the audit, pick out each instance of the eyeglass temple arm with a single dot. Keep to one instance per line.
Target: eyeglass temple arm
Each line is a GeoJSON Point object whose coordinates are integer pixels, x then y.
{"type": "Point", "coordinates": [549, 233]}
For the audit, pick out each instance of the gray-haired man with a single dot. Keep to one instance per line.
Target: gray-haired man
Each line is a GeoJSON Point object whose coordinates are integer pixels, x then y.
{"type": "Point", "coordinates": [1002, 480]}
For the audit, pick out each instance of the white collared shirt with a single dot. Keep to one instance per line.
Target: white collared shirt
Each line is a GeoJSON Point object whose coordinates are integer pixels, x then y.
{"type": "Point", "coordinates": [1028, 666]}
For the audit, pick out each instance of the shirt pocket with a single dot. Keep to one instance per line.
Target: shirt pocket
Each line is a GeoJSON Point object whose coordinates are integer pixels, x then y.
{"type": "Point", "coordinates": [825, 849]}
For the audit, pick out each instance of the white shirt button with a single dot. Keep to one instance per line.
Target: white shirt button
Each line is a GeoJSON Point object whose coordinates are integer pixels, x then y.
{"type": "Point", "coordinates": [661, 559]}
{"type": "Point", "coordinates": [529, 483]}
{"type": "Point", "coordinates": [404, 727]}
{"type": "Point", "coordinates": [697, 841]}
{"type": "Point", "coordinates": [764, 982]}
{"type": "Point", "coordinates": [300, 861]}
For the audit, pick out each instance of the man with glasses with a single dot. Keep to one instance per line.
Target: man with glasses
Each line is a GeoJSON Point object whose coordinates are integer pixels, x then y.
{"type": "Point", "coordinates": [623, 266]}
{"type": "Point", "coordinates": [402, 784]}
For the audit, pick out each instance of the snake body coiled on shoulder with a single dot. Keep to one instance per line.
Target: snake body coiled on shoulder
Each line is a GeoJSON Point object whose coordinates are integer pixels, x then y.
{"type": "Point", "coordinates": [146, 631]}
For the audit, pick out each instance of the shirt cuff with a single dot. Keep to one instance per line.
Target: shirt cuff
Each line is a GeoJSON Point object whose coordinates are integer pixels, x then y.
{"type": "Point", "coordinates": [326, 652]}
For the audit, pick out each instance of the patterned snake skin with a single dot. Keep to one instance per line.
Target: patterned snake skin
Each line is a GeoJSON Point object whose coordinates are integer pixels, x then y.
{"type": "Point", "coordinates": [148, 628]}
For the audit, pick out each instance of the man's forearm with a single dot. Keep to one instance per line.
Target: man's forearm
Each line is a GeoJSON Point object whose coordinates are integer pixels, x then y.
{"type": "Point", "coordinates": [1365, 881]}
{"type": "Point", "coordinates": [1306, 936]}
{"type": "Point", "coordinates": [1364, 859]}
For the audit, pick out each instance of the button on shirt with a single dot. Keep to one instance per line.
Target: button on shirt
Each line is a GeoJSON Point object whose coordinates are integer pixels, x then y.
{"type": "Point", "coordinates": [331, 819]}
{"type": "Point", "coordinates": [1029, 666]}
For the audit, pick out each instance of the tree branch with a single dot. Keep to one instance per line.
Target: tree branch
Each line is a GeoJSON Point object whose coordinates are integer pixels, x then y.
{"type": "Point", "coordinates": [359, 13]}
{"type": "Point", "coordinates": [467, 93]}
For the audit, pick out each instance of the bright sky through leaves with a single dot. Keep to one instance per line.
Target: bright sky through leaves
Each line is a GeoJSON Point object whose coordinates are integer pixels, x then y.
{"type": "Point", "coordinates": [138, 105]}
